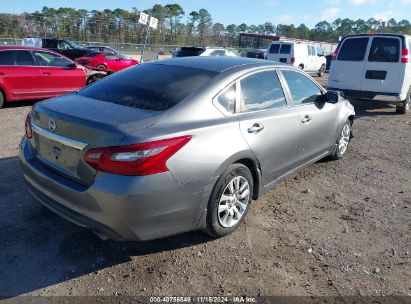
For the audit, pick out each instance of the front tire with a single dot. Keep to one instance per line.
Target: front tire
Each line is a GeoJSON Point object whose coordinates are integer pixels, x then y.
{"type": "Point", "coordinates": [342, 142]}
{"type": "Point", "coordinates": [321, 71]}
{"type": "Point", "coordinates": [229, 201]}
{"type": "Point", "coordinates": [404, 107]}
{"type": "Point", "coordinates": [2, 99]}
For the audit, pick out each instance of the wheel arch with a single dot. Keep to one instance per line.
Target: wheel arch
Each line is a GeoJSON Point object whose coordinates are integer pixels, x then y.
{"type": "Point", "coordinates": [3, 91]}
{"type": "Point", "coordinates": [255, 170]}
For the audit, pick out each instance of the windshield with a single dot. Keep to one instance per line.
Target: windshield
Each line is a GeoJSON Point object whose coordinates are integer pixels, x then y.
{"type": "Point", "coordinates": [189, 52]}
{"type": "Point", "coordinates": [154, 87]}
{"type": "Point", "coordinates": [72, 44]}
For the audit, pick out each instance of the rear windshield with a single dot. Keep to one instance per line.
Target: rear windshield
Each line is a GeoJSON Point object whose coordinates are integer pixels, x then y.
{"type": "Point", "coordinates": [384, 50]}
{"type": "Point", "coordinates": [274, 48]}
{"type": "Point", "coordinates": [285, 49]}
{"type": "Point", "coordinates": [189, 52]}
{"type": "Point", "coordinates": [92, 54]}
{"type": "Point", "coordinates": [353, 49]}
{"type": "Point", "coordinates": [153, 87]}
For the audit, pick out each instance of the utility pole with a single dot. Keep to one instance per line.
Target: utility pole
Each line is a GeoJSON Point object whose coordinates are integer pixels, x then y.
{"type": "Point", "coordinates": [150, 21]}
{"type": "Point", "coordinates": [145, 40]}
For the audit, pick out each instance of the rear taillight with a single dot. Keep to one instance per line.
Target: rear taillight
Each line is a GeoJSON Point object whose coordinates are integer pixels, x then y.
{"type": "Point", "coordinates": [27, 125]}
{"type": "Point", "coordinates": [137, 159]}
{"type": "Point", "coordinates": [335, 54]}
{"type": "Point", "coordinates": [292, 60]}
{"type": "Point", "coordinates": [404, 56]}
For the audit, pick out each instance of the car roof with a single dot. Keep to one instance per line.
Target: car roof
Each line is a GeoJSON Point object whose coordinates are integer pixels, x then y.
{"type": "Point", "coordinates": [90, 46]}
{"type": "Point", "coordinates": [18, 47]}
{"type": "Point", "coordinates": [28, 48]}
{"type": "Point", "coordinates": [218, 64]}
{"type": "Point", "coordinates": [376, 34]}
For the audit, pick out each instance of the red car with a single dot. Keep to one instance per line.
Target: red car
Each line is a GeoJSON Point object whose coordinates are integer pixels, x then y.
{"type": "Point", "coordinates": [106, 61]}
{"type": "Point", "coordinates": [32, 73]}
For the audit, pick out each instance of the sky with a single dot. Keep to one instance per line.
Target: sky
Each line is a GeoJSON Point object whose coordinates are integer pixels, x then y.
{"type": "Point", "coordinates": [309, 12]}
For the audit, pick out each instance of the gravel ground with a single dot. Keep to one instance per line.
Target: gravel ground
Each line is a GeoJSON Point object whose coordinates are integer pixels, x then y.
{"type": "Point", "coordinates": [337, 228]}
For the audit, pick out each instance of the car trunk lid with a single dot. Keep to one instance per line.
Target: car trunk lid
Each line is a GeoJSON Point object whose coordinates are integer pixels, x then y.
{"type": "Point", "coordinates": [65, 128]}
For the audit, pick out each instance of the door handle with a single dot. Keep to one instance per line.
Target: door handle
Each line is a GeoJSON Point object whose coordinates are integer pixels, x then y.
{"type": "Point", "coordinates": [256, 128]}
{"type": "Point", "coordinates": [46, 73]}
{"type": "Point", "coordinates": [306, 119]}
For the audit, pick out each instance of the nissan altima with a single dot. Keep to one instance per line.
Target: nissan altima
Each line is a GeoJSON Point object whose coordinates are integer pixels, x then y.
{"type": "Point", "coordinates": [179, 145]}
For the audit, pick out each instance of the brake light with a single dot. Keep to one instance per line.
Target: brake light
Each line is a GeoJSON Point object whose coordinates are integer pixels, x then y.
{"type": "Point", "coordinates": [404, 56]}
{"type": "Point", "coordinates": [137, 159]}
{"type": "Point", "coordinates": [27, 125]}
{"type": "Point", "coordinates": [335, 54]}
{"type": "Point", "coordinates": [292, 60]}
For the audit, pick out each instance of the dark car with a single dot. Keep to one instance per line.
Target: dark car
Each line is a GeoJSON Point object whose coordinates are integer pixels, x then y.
{"type": "Point", "coordinates": [65, 47]}
{"type": "Point", "coordinates": [103, 48]}
{"type": "Point", "coordinates": [259, 54]}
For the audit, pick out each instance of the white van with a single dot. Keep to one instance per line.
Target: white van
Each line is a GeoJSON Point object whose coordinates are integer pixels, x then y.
{"type": "Point", "coordinates": [373, 66]}
{"type": "Point", "coordinates": [305, 56]}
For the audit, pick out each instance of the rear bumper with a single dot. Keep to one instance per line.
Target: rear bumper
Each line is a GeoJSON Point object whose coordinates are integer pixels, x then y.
{"type": "Point", "coordinates": [389, 97]}
{"type": "Point", "coordinates": [121, 207]}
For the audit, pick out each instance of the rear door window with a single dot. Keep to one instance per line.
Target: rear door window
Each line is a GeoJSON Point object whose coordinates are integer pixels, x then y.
{"type": "Point", "coordinates": [261, 91]}
{"type": "Point", "coordinates": [302, 89]}
{"type": "Point", "coordinates": [16, 57]}
{"type": "Point", "coordinates": [313, 50]}
{"type": "Point", "coordinates": [384, 50]}
{"type": "Point", "coordinates": [227, 99]}
{"type": "Point", "coordinates": [274, 49]}
{"type": "Point", "coordinates": [353, 49]}
{"type": "Point", "coordinates": [285, 49]}
{"type": "Point", "coordinates": [6, 58]}
{"type": "Point", "coordinates": [150, 86]}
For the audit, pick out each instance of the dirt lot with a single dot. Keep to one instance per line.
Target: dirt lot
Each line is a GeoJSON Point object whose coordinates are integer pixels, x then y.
{"type": "Point", "coordinates": [337, 228]}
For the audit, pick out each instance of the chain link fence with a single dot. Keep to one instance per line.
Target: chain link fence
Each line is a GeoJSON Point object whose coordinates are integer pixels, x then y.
{"type": "Point", "coordinates": [151, 51]}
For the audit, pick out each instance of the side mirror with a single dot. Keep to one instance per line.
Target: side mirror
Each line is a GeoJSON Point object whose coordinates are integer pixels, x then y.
{"type": "Point", "coordinates": [334, 96]}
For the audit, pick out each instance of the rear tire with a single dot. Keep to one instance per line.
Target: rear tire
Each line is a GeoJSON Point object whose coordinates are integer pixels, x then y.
{"type": "Point", "coordinates": [301, 67]}
{"type": "Point", "coordinates": [321, 71]}
{"type": "Point", "coordinates": [2, 99]}
{"type": "Point", "coordinates": [229, 201]}
{"type": "Point", "coordinates": [94, 78]}
{"type": "Point", "coordinates": [102, 67]}
{"type": "Point", "coordinates": [343, 141]}
{"type": "Point", "coordinates": [404, 107]}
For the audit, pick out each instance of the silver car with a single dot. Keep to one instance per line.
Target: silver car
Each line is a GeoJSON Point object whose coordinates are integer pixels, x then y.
{"type": "Point", "coordinates": [179, 145]}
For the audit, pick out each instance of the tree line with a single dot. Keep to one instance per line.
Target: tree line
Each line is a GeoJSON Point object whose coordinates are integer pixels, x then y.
{"type": "Point", "coordinates": [175, 27]}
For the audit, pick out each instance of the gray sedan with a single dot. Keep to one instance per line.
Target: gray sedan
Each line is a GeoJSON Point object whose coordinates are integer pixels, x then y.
{"type": "Point", "coordinates": [179, 145]}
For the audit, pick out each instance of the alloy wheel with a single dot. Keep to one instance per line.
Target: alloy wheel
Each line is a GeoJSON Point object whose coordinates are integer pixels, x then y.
{"type": "Point", "coordinates": [233, 202]}
{"type": "Point", "coordinates": [344, 139]}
